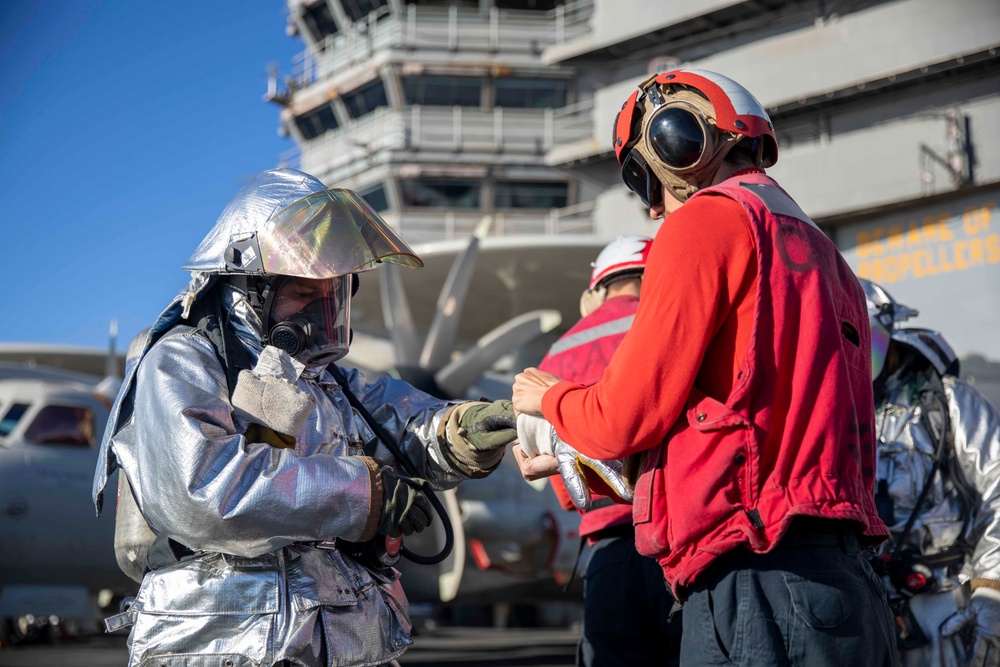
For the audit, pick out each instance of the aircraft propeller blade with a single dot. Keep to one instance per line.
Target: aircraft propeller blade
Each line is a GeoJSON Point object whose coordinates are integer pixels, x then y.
{"type": "Point", "coordinates": [457, 376]}
{"type": "Point", "coordinates": [398, 317]}
{"type": "Point", "coordinates": [451, 568]}
{"type": "Point", "coordinates": [444, 329]}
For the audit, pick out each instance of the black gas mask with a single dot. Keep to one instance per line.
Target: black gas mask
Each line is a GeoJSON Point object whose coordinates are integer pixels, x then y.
{"type": "Point", "coordinates": [310, 319]}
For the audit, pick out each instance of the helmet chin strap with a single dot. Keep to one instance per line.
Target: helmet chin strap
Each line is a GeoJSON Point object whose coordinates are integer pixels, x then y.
{"type": "Point", "coordinates": [267, 294]}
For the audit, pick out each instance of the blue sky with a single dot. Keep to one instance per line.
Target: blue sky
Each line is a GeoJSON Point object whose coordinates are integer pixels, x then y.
{"type": "Point", "coordinates": [125, 127]}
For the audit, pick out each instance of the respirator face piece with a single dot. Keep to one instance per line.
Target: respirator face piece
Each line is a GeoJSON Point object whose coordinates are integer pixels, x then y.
{"type": "Point", "coordinates": [310, 319]}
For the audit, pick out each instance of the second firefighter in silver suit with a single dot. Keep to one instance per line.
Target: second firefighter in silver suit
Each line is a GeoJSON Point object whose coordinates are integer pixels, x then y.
{"type": "Point", "coordinates": [249, 464]}
{"type": "Point", "coordinates": [938, 490]}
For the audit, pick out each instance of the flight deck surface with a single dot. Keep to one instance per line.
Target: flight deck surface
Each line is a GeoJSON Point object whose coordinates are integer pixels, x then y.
{"type": "Point", "coordinates": [452, 646]}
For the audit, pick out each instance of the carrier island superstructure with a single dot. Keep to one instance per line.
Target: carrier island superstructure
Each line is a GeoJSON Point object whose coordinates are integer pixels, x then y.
{"type": "Point", "coordinates": [887, 115]}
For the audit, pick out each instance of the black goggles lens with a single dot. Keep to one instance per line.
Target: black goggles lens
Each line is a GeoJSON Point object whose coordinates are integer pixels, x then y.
{"type": "Point", "coordinates": [677, 137]}
{"type": "Point", "coordinates": [640, 179]}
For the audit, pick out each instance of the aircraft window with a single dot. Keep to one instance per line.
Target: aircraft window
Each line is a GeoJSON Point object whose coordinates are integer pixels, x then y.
{"type": "Point", "coordinates": [443, 91]}
{"type": "Point", "coordinates": [359, 9]}
{"type": "Point", "coordinates": [62, 425]}
{"type": "Point", "coordinates": [316, 122]}
{"type": "Point", "coordinates": [440, 192]}
{"type": "Point", "coordinates": [13, 416]}
{"type": "Point", "coordinates": [319, 21]}
{"type": "Point", "coordinates": [531, 194]}
{"type": "Point", "coordinates": [366, 99]}
{"type": "Point", "coordinates": [375, 196]}
{"type": "Point", "coordinates": [531, 93]}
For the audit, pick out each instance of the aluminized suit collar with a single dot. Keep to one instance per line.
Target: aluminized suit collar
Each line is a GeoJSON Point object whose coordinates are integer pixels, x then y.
{"type": "Point", "coordinates": [240, 317]}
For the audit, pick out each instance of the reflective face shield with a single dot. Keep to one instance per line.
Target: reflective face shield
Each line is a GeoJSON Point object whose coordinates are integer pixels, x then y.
{"type": "Point", "coordinates": [325, 234]}
{"type": "Point", "coordinates": [883, 314]}
{"type": "Point", "coordinates": [310, 319]}
{"type": "Point", "coordinates": [881, 325]}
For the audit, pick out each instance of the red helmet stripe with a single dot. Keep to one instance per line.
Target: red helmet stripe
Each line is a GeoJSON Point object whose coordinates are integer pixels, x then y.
{"type": "Point", "coordinates": [623, 254]}
{"type": "Point", "coordinates": [623, 126]}
{"type": "Point", "coordinates": [749, 119]}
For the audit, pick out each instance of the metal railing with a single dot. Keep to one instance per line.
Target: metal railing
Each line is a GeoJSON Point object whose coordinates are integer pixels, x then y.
{"type": "Point", "coordinates": [572, 123]}
{"type": "Point", "coordinates": [378, 131]}
{"type": "Point", "coordinates": [444, 29]}
{"type": "Point", "coordinates": [447, 129]}
{"type": "Point", "coordinates": [421, 225]}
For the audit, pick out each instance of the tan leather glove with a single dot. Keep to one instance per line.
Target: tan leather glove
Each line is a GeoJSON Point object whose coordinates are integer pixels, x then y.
{"type": "Point", "coordinates": [475, 435]}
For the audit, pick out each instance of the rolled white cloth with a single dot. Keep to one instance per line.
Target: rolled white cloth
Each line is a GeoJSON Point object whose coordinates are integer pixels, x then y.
{"type": "Point", "coordinates": [535, 435]}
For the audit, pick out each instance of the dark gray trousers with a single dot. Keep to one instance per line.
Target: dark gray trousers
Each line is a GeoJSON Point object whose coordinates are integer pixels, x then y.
{"type": "Point", "coordinates": [812, 601]}
{"type": "Point", "coordinates": [625, 609]}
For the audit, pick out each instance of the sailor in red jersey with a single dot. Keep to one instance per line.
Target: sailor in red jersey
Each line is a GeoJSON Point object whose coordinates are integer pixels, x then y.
{"type": "Point", "coordinates": [741, 392]}
{"type": "Point", "coordinates": [625, 604]}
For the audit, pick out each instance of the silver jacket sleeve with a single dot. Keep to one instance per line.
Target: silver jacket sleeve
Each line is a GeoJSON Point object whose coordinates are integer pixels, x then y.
{"type": "Point", "coordinates": [200, 482]}
{"type": "Point", "coordinates": [413, 419]}
{"type": "Point", "coordinates": [975, 426]}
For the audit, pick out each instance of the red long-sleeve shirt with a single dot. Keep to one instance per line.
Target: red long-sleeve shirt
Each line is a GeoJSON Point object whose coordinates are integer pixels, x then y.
{"type": "Point", "coordinates": [692, 328]}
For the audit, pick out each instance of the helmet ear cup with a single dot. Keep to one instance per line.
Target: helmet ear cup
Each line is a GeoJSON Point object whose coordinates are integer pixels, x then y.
{"type": "Point", "coordinates": [677, 137]}
{"type": "Point", "coordinates": [694, 108]}
{"type": "Point", "coordinates": [289, 337]}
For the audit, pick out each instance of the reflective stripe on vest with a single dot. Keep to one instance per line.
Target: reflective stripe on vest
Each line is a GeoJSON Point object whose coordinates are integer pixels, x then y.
{"type": "Point", "coordinates": [611, 328]}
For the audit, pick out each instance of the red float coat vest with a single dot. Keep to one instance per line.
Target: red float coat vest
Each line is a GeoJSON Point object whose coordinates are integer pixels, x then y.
{"type": "Point", "coordinates": [796, 434]}
{"type": "Point", "coordinates": [581, 355]}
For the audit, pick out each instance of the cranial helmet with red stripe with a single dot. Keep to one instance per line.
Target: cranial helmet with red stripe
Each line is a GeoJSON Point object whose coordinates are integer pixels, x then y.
{"type": "Point", "coordinates": [625, 257]}
{"type": "Point", "coordinates": [678, 127]}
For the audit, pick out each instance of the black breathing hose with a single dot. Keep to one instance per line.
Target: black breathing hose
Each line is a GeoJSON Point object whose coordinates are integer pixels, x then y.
{"type": "Point", "coordinates": [408, 467]}
{"type": "Point", "coordinates": [449, 534]}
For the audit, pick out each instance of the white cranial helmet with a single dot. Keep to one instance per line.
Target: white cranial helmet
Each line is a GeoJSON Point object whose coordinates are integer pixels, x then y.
{"type": "Point", "coordinates": [625, 257]}
{"type": "Point", "coordinates": [624, 254]}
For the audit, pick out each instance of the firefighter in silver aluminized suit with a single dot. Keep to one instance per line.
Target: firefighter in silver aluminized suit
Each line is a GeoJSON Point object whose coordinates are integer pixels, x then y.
{"type": "Point", "coordinates": [938, 490]}
{"type": "Point", "coordinates": [258, 480]}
